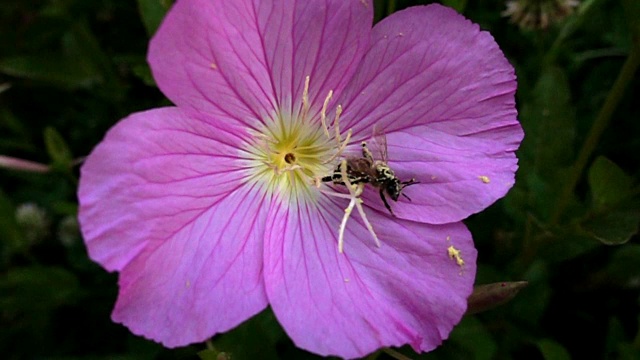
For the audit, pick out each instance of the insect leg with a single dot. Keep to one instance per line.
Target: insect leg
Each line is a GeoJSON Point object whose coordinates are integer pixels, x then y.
{"type": "Point", "coordinates": [354, 191]}
{"type": "Point", "coordinates": [384, 200]}
{"type": "Point", "coordinates": [366, 153]}
{"type": "Point", "coordinates": [411, 181]}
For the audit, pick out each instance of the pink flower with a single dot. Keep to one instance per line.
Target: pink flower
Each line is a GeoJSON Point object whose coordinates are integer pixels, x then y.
{"type": "Point", "coordinates": [209, 209]}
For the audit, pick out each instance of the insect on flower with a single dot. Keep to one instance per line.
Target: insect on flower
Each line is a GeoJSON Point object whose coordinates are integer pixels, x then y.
{"type": "Point", "coordinates": [367, 170]}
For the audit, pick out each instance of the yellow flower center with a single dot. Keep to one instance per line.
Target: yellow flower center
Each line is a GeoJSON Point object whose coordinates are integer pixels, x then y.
{"type": "Point", "coordinates": [292, 152]}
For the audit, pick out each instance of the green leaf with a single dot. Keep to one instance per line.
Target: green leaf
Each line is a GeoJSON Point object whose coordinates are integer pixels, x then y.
{"type": "Point", "coordinates": [551, 350]}
{"type": "Point", "coordinates": [614, 227]}
{"type": "Point", "coordinates": [79, 63]}
{"type": "Point", "coordinates": [626, 351]}
{"type": "Point", "coordinates": [83, 43]}
{"type": "Point", "coordinates": [549, 121]}
{"type": "Point", "coordinates": [254, 339]}
{"type": "Point", "coordinates": [14, 127]}
{"type": "Point", "coordinates": [210, 354]}
{"type": "Point", "coordinates": [57, 148]}
{"type": "Point", "coordinates": [474, 339]}
{"type": "Point", "coordinates": [547, 151]}
{"type": "Point", "coordinates": [530, 305]}
{"type": "Point", "coordinates": [458, 5]}
{"type": "Point", "coordinates": [623, 268]}
{"type": "Point", "coordinates": [37, 288]}
{"type": "Point", "coordinates": [11, 238]}
{"type": "Point", "coordinates": [609, 184]}
{"type": "Point", "coordinates": [615, 335]}
{"type": "Point", "coordinates": [632, 13]}
{"type": "Point", "coordinates": [57, 69]}
{"type": "Point", "coordinates": [152, 13]}
{"type": "Point", "coordinates": [143, 72]}
{"type": "Point", "coordinates": [565, 243]}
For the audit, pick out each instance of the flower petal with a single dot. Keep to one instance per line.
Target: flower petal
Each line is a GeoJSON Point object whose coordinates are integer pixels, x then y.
{"type": "Point", "coordinates": [154, 172]}
{"type": "Point", "coordinates": [203, 279]}
{"type": "Point", "coordinates": [322, 39]}
{"type": "Point", "coordinates": [443, 93]}
{"type": "Point", "coordinates": [162, 201]}
{"type": "Point", "coordinates": [247, 58]}
{"type": "Point", "coordinates": [458, 176]}
{"type": "Point", "coordinates": [208, 56]}
{"type": "Point", "coordinates": [428, 65]}
{"type": "Point", "coordinates": [407, 291]}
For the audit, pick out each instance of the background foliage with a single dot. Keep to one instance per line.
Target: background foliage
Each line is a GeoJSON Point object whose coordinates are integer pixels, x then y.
{"type": "Point", "coordinates": [70, 69]}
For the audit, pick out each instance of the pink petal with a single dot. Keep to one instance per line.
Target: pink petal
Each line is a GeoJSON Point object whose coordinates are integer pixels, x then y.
{"type": "Point", "coordinates": [458, 176]}
{"type": "Point", "coordinates": [443, 92]}
{"type": "Point", "coordinates": [154, 173]}
{"type": "Point", "coordinates": [407, 291]}
{"type": "Point", "coordinates": [322, 39]}
{"type": "Point", "coordinates": [203, 279]}
{"type": "Point", "coordinates": [162, 200]}
{"type": "Point", "coordinates": [245, 59]}
{"type": "Point", "coordinates": [429, 65]}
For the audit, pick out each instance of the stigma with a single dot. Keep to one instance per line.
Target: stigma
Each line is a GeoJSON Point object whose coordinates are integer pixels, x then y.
{"type": "Point", "coordinates": [291, 150]}
{"type": "Point", "coordinates": [292, 153]}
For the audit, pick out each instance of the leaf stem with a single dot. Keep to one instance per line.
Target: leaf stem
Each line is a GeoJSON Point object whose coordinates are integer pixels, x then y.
{"type": "Point", "coordinates": [391, 7]}
{"type": "Point", "coordinates": [396, 355]}
{"type": "Point", "coordinates": [600, 124]}
{"type": "Point", "coordinates": [570, 26]}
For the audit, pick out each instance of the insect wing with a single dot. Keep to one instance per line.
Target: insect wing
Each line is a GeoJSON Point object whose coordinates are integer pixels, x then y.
{"type": "Point", "coordinates": [359, 166]}
{"type": "Point", "coordinates": [380, 144]}
{"type": "Point", "coordinates": [360, 170]}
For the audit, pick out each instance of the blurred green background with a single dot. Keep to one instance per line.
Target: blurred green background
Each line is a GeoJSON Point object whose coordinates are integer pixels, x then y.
{"type": "Point", "coordinates": [70, 69]}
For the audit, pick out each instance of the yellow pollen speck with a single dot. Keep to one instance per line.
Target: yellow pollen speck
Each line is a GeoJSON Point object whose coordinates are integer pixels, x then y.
{"type": "Point", "coordinates": [433, 177]}
{"type": "Point", "coordinates": [448, 238]}
{"type": "Point", "coordinates": [213, 66]}
{"type": "Point", "coordinates": [188, 284]}
{"type": "Point", "coordinates": [455, 254]}
{"type": "Point", "coordinates": [484, 179]}
{"type": "Point", "coordinates": [400, 34]}
{"type": "Point", "coordinates": [346, 279]}
{"type": "Point", "coordinates": [364, 2]}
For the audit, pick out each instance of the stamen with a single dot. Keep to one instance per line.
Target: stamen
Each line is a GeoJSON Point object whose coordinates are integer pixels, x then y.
{"type": "Point", "coordinates": [341, 145]}
{"type": "Point", "coordinates": [305, 98]}
{"type": "Point", "coordinates": [279, 171]}
{"type": "Point", "coordinates": [343, 224]}
{"type": "Point", "coordinates": [292, 150]}
{"type": "Point", "coordinates": [333, 193]}
{"type": "Point", "coordinates": [355, 191]}
{"type": "Point", "coordinates": [336, 123]}
{"type": "Point", "coordinates": [341, 148]}
{"type": "Point", "coordinates": [323, 113]}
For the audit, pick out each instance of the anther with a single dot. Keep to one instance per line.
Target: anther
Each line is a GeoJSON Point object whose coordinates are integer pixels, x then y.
{"type": "Point", "coordinates": [323, 113]}
{"type": "Point", "coordinates": [305, 97]}
{"type": "Point", "coordinates": [341, 147]}
{"type": "Point", "coordinates": [336, 123]}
